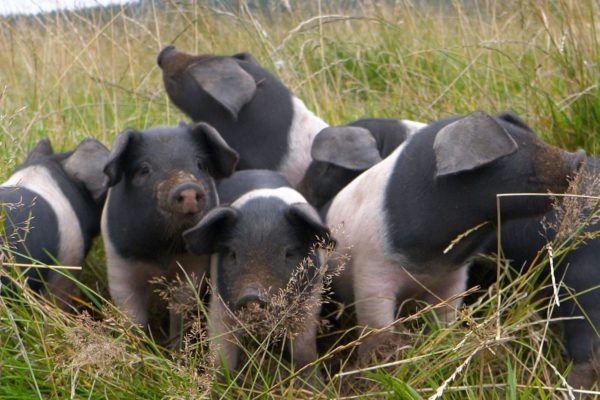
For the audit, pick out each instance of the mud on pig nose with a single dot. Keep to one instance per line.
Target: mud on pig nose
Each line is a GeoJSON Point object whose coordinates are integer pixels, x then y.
{"type": "Point", "coordinates": [188, 198]}
{"type": "Point", "coordinates": [250, 298]}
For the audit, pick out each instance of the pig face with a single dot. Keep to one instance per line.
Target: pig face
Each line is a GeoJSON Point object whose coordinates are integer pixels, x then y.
{"type": "Point", "coordinates": [258, 244]}
{"type": "Point", "coordinates": [256, 114]}
{"type": "Point", "coordinates": [162, 183]}
{"type": "Point", "coordinates": [501, 155]}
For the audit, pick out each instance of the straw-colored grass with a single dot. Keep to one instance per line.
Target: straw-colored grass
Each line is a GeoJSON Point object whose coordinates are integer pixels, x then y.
{"type": "Point", "coordinates": [69, 75]}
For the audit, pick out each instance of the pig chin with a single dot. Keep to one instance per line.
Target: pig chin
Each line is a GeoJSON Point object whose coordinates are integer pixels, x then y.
{"type": "Point", "coordinates": [176, 223]}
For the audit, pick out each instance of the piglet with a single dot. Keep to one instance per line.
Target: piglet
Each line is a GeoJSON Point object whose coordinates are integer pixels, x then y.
{"type": "Point", "coordinates": [51, 211]}
{"type": "Point", "coordinates": [397, 221]}
{"type": "Point", "coordinates": [161, 183]}
{"type": "Point", "coordinates": [577, 273]}
{"type": "Point", "coordinates": [256, 114]}
{"type": "Point", "coordinates": [341, 153]}
{"type": "Point", "coordinates": [262, 240]}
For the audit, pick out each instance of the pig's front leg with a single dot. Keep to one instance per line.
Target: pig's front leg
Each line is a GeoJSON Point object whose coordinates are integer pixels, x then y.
{"type": "Point", "coordinates": [377, 284]}
{"type": "Point", "coordinates": [304, 346]}
{"type": "Point", "coordinates": [223, 341]}
{"type": "Point", "coordinates": [450, 285]}
{"type": "Point", "coordinates": [129, 288]}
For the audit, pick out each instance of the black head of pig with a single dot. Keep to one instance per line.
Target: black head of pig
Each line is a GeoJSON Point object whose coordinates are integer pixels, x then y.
{"type": "Point", "coordinates": [507, 151]}
{"type": "Point", "coordinates": [247, 104]}
{"type": "Point", "coordinates": [258, 244]}
{"type": "Point", "coordinates": [446, 179]}
{"type": "Point", "coordinates": [60, 197]}
{"type": "Point", "coordinates": [161, 184]}
{"type": "Point", "coordinates": [192, 81]}
{"type": "Point", "coordinates": [340, 154]}
{"type": "Point", "coordinates": [82, 166]}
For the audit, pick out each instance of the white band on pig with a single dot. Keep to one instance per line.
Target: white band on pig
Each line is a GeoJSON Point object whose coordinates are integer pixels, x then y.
{"type": "Point", "coordinates": [412, 126]}
{"type": "Point", "coordinates": [288, 195]}
{"type": "Point", "coordinates": [305, 126]}
{"type": "Point", "coordinates": [39, 180]}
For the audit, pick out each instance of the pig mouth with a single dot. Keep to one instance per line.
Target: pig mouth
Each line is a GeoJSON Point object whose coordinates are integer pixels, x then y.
{"type": "Point", "coordinates": [183, 200]}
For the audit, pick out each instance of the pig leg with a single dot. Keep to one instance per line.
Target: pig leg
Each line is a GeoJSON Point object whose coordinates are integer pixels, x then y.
{"type": "Point", "coordinates": [62, 289]}
{"type": "Point", "coordinates": [128, 286]}
{"type": "Point", "coordinates": [452, 284]}
{"type": "Point", "coordinates": [304, 345]}
{"type": "Point", "coordinates": [223, 342]}
{"type": "Point", "coordinates": [377, 285]}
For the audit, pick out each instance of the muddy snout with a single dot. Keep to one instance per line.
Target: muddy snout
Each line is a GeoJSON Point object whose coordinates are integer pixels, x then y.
{"type": "Point", "coordinates": [555, 167]}
{"type": "Point", "coordinates": [252, 297]}
{"type": "Point", "coordinates": [577, 160]}
{"type": "Point", "coordinates": [188, 198]}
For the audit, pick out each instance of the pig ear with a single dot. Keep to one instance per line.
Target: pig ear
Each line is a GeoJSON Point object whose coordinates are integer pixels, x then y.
{"type": "Point", "coordinates": [470, 143]}
{"type": "Point", "coordinates": [223, 158]}
{"type": "Point", "coordinates": [201, 238]}
{"type": "Point", "coordinates": [86, 165]}
{"type": "Point", "coordinates": [113, 168]}
{"type": "Point", "coordinates": [42, 148]}
{"type": "Point", "coordinates": [514, 119]}
{"type": "Point", "coordinates": [225, 81]}
{"type": "Point", "coordinates": [306, 215]}
{"type": "Point", "coordinates": [350, 147]}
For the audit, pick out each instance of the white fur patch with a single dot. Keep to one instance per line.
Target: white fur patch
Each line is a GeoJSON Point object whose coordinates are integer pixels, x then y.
{"type": "Point", "coordinates": [39, 180]}
{"type": "Point", "coordinates": [412, 126]}
{"type": "Point", "coordinates": [288, 195]}
{"type": "Point", "coordinates": [305, 126]}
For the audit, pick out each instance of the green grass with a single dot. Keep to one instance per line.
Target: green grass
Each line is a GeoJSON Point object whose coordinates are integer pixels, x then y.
{"type": "Point", "coordinates": [72, 75]}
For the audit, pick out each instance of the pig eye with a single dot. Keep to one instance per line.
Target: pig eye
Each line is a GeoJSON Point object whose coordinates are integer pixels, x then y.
{"type": "Point", "coordinates": [142, 171]}
{"type": "Point", "coordinates": [228, 253]}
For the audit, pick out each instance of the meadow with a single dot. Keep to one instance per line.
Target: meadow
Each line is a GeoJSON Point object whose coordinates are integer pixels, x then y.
{"type": "Point", "coordinates": [69, 75]}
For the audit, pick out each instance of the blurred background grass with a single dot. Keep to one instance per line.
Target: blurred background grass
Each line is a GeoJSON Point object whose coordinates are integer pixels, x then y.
{"type": "Point", "coordinates": [68, 75]}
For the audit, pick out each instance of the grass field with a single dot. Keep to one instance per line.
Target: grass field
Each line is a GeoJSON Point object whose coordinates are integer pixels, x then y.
{"type": "Point", "coordinates": [72, 75]}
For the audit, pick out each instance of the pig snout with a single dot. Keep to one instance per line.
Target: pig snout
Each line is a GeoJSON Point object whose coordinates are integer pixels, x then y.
{"type": "Point", "coordinates": [251, 297]}
{"type": "Point", "coordinates": [554, 167]}
{"type": "Point", "coordinates": [188, 198]}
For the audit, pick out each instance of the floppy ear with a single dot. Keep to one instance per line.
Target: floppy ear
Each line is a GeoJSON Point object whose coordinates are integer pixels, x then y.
{"type": "Point", "coordinates": [86, 165]}
{"type": "Point", "coordinates": [42, 148]}
{"type": "Point", "coordinates": [307, 216]}
{"type": "Point", "coordinates": [201, 238]}
{"type": "Point", "coordinates": [470, 143]}
{"type": "Point", "coordinates": [225, 81]}
{"type": "Point", "coordinates": [223, 158]}
{"type": "Point", "coordinates": [350, 147]}
{"type": "Point", "coordinates": [113, 168]}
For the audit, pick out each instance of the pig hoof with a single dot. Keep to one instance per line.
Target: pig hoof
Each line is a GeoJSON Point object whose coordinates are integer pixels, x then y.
{"type": "Point", "coordinates": [583, 375]}
{"type": "Point", "coordinates": [382, 348]}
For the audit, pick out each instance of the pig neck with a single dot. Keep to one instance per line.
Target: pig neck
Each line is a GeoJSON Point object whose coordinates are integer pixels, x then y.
{"type": "Point", "coordinates": [39, 180]}
{"type": "Point", "coordinates": [303, 129]}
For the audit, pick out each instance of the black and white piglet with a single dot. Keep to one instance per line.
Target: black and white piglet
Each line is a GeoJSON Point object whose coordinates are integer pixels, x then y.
{"type": "Point", "coordinates": [258, 239]}
{"type": "Point", "coordinates": [257, 115]}
{"type": "Point", "coordinates": [51, 211]}
{"type": "Point", "coordinates": [341, 153]}
{"type": "Point", "coordinates": [161, 183]}
{"type": "Point", "coordinates": [397, 220]}
{"type": "Point", "coordinates": [577, 273]}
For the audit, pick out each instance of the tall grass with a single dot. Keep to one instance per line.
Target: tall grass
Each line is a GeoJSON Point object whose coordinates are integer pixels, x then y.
{"type": "Point", "coordinates": [75, 74]}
